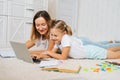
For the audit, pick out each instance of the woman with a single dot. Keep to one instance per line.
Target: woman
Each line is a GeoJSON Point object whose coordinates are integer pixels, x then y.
{"type": "Point", "coordinates": [40, 35]}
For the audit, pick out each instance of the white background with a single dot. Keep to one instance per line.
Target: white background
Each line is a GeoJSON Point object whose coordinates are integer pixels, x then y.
{"type": "Point", "coordinates": [96, 19]}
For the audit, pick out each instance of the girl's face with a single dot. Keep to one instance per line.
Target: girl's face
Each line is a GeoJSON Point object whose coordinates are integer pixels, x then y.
{"type": "Point", "coordinates": [41, 25]}
{"type": "Point", "coordinates": [56, 35]}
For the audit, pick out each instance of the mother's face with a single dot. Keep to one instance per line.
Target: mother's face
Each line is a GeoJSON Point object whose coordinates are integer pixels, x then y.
{"type": "Point", "coordinates": [41, 25]}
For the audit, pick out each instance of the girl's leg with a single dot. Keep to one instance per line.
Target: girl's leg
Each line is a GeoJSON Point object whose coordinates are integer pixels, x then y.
{"type": "Point", "coordinates": [115, 48]}
{"type": "Point", "coordinates": [86, 41]}
{"type": "Point", "coordinates": [113, 55]}
{"type": "Point", "coordinates": [103, 42]}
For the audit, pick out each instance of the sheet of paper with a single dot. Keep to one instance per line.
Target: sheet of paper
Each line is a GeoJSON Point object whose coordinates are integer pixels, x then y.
{"type": "Point", "coordinates": [49, 63]}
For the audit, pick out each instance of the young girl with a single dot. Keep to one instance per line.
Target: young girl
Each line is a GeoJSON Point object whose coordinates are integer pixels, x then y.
{"type": "Point", "coordinates": [39, 37]}
{"type": "Point", "coordinates": [73, 47]}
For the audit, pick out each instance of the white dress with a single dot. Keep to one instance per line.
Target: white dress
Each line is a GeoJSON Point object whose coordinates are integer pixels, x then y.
{"type": "Point", "coordinates": [76, 50]}
{"type": "Point", "coordinates": [40, 44]}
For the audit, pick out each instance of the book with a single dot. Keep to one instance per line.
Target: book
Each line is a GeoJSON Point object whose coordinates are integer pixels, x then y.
{"type": "Point", "coordinates": [64, 66]}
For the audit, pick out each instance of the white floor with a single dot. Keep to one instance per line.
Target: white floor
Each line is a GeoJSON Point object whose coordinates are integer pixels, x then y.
{"type": "Point", "coordinates": [14, 69]}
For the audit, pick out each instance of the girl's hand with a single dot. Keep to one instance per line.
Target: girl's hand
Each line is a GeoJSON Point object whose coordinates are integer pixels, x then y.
{"type": "Point", "coordinates": [47, 52]}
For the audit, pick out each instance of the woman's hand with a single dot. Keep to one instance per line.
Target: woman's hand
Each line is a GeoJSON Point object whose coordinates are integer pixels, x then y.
{"type": "Point", "coordinates": [36, 54]}
{"type": "Point", "coordinates": [39, 54]}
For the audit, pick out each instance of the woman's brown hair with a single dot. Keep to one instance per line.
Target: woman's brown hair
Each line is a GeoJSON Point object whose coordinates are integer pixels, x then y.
{"type": "Point", "coordinates": [35, 34]}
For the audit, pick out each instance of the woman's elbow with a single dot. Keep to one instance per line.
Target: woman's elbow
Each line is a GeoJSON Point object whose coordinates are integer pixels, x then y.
{"type": "Point", "coordinates": [63, 58]}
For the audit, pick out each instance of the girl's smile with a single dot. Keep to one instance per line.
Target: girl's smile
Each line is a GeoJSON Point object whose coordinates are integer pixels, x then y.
{"type": "Point", "coordinates": [56, 35]}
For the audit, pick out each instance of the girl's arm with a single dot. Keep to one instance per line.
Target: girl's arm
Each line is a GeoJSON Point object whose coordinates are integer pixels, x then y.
{"type": "Point", "coordinates": [50, 45]}
{"type": "Point", "coordinates": [63, 55]}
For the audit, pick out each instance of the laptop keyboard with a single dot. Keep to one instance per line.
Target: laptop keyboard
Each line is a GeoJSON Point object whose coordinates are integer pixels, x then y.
{"type": "Point", "coordinates": [36, 60]}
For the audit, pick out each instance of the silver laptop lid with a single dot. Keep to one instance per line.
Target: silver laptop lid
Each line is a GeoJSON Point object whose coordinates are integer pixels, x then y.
{"type": "Point", "coordinates": [21, 51]}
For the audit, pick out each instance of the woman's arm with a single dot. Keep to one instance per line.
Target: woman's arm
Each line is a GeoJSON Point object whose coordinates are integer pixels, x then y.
{"type": "Point", "coordinates": [39, 53]}
{"type": "Point", "coordinates": [62, 56]}
{"type": "Point", "coordinates": [30, 44]}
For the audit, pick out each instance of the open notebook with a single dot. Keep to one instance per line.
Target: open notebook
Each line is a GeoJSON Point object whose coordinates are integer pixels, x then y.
{"type": "Point", "coordinates": [63, 66]}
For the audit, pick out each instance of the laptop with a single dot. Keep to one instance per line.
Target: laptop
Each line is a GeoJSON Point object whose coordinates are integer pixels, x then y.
{"type": "Point", "coordinates": [22, 52]}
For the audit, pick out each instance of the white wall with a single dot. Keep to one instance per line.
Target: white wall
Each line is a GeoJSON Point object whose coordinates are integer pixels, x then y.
{"type": "Point", "coordinates": [99, 19]}
{"type": "Point", "coordinates": [52, 8]}
{"type": "Point", "coordinates": [96, 19]}
{"type": "Point", "coordinates": [66, 10]}
{"type": "Point", "coordinates": [40, 5]}
{"type": "Point", "coordinates": [16, 19]}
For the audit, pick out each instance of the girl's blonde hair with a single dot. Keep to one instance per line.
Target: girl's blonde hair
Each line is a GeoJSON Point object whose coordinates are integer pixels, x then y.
{"type": "Point", "coordinates": [61, 25]}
